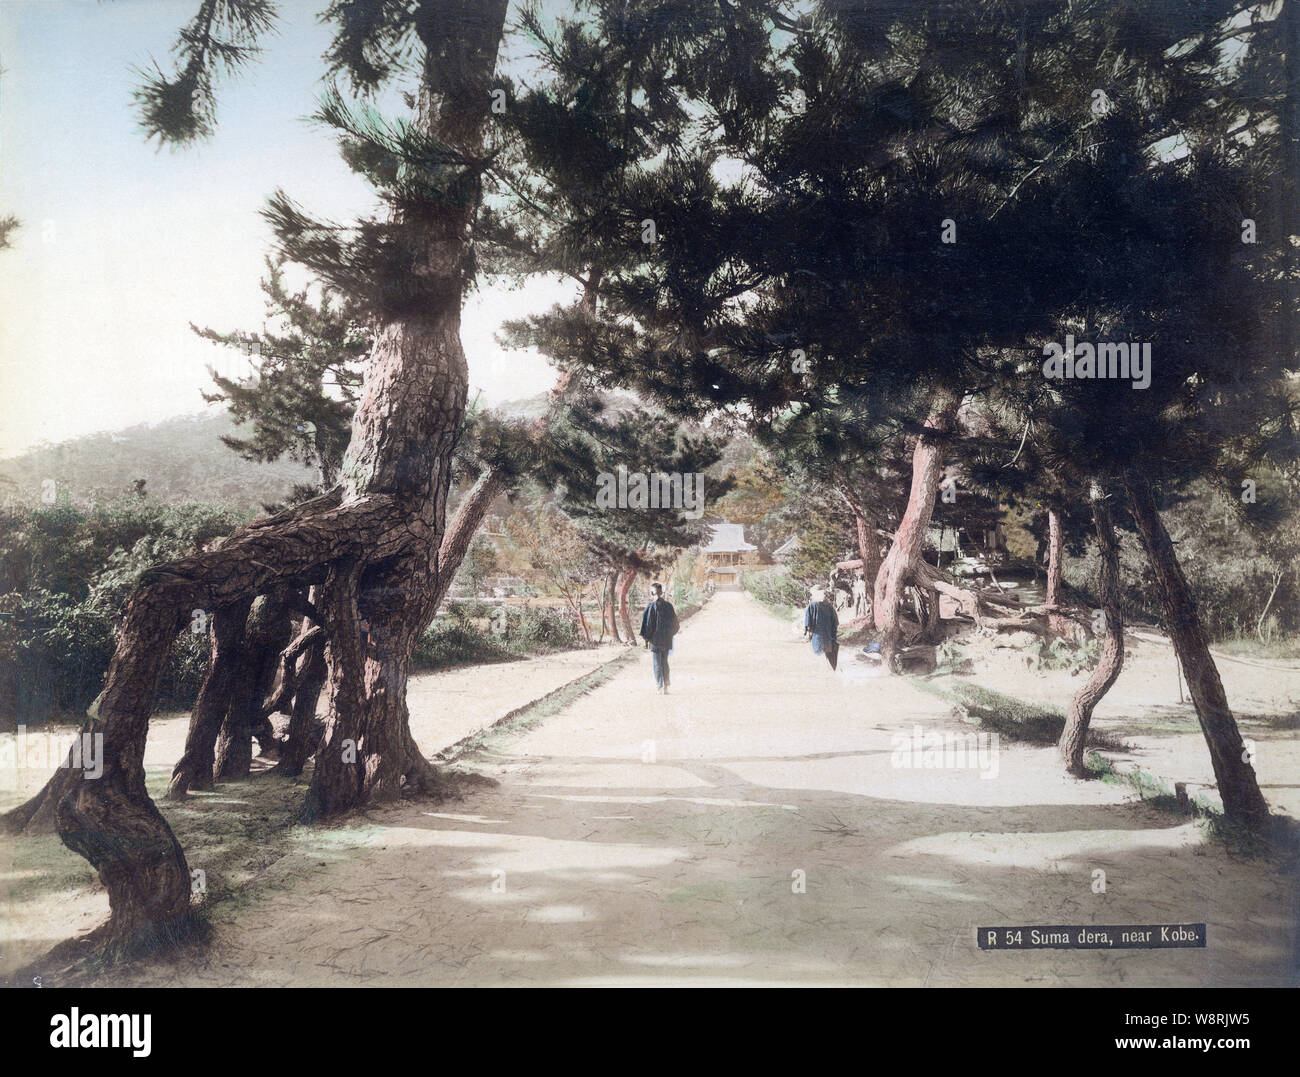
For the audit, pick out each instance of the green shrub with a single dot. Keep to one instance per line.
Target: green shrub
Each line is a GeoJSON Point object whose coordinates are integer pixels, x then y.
{"type": "Point", "coordinates": [540, 629]}
{"type": "Point", "coordinates": [1062, 654]}
{"type": "Point", "coordinates": [686, 597]}
{"type": "Point", "coordinates": [54, 653]}
{"type": "Point", "coordinates": [66, 574]}
{"type": "Point", "coordinates": [778, 591]}
{"type": "Point", "coordinates": [453, 641]}
{"type": "Point", "coordinates": [511, 632]}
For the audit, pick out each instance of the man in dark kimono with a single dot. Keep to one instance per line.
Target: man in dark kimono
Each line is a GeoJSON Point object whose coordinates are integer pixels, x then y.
{"type": "Point", "coordinates": [822, 625]}
{"type": "Point", "coordinates": [658, 626]}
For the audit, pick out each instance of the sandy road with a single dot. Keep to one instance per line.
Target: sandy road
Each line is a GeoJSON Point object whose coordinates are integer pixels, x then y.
{"type": "Point", "coordinates": [749, 828]}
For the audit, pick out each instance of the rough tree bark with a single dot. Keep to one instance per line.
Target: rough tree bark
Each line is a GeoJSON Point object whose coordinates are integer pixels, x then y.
{"type": "Point", "coordinates": [194, 770]}
{"type": "Point", "coordinates": [1238, 787]}
{"type": "Point", "coordinates": [1055, 548]}
{"type": "Point", "coordinates": [624, 610]}
{"type": "Point", "coordinates": [868, 545]}
{"type": "Point", "coordinates": [371, 545]}
{"type": "Point", "coordinates": [1102, 678]}
{"type": "Point", "coordinates": [403, 436]}
{"type": "Point", "coordinates": [303, 734]}
{"type": "Point", "coordinates": [267, 634]}
{"type": "Point", "coordinates": [902, 565]}
{"type": "Point", "coordinates": [609, 606]}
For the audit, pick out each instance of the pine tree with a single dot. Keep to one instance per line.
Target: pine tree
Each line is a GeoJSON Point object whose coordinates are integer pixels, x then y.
{"type": "Point", "coordinates": [932, 213]}
{"type": "Point", "coordinates": [308, 377]}
{"type": "Point", "coordinates": [593, 454]}
{"type": "Point", "coordinates": [371, 546]}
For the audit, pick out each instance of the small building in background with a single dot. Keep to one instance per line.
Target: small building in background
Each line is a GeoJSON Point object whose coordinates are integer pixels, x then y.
{"type": "Point", "coordinates": [782, 554]}
{"type": "Point", "coordinates": [726, 556]}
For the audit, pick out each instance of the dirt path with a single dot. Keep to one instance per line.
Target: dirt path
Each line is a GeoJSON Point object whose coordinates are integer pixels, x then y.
{"type": "Point", "coordinates": [48, 893]}
{"type": "Point", "coordinates": [638, 839]}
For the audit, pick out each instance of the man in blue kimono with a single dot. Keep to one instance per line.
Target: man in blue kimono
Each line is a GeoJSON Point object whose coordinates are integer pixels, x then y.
{"type": "Point", "coordinates": [658, 626]}
{"type": "Point", "coordinates": [822, 625]}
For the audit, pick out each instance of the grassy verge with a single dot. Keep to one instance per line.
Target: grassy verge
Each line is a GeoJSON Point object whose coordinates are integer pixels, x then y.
{"type": "Point", "coordinates": [1000, 713]}
{"type": "Point", "coordinates": [1280, 837]}
{"type": "Point", "coordinates": [530, 715]}
{"type": "Point", "coordinates": [1282, 649]}
{"type": "Point", "coordinates": [1011, 717]}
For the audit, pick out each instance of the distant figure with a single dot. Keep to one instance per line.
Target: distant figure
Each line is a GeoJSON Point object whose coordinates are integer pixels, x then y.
{"type": "Point", "coordinates": [659, 625]}
{"type": "Point", "coordinates": [822, 625]}
{"type": "Point", "coordinates": [860, 602]}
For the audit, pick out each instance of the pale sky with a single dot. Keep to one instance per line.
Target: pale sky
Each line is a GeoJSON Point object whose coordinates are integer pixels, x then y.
{"type": "Point", "coordinates": [123, 245]}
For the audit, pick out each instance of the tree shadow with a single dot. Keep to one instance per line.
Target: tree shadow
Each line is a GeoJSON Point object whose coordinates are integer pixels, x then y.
{"type": "Point", "coordinates": [623, 880]}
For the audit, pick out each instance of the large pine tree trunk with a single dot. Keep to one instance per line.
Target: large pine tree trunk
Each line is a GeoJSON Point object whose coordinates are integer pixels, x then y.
{"type": "Point", "coordinates": [372, 545]}
{"type": "Point", "coordinates": [308, 662]}
{"type": "Point", "coordinates": [403, 435]}
{"type": "Point", "coordinates": [111, 820]}
{"type": "Point", "coordinates": [1242, 800]}
{"type": "Point", "coordinates": [1099, 682]}
{"type": "Point", "coordinates": [902, 564]}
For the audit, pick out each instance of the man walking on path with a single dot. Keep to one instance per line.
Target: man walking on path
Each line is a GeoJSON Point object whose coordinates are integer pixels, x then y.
{"type": "Point", "coordinates": [822, 625]}
{"type": "Point", "coordinates": [658, 626]}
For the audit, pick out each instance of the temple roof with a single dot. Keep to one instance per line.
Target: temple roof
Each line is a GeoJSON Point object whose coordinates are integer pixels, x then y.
{"type": "Point", "coordinates": [728, 538]}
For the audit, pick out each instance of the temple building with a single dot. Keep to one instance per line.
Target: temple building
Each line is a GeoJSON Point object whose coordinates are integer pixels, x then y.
{"type": "Point", "coordinates": [726, 556]}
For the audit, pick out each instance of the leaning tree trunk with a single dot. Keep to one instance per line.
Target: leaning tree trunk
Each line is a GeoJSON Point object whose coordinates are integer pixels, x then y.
{"type": "Point", "coordinates": [624, 611]}
{"type": "Point", "coordinates": [303, 735]}
{"type": "Point", "coordinates": [902, 565]}
{"type": "Point", "coordinates": [609, 605]}
{"type": "Point", "coordinates": [1238, 787]}
{"type": "Point", "coordinates": [868, 545]}
{"type": "Point", "coordinates": [1108, 668]}
{"type": "Point", "coordinates": [490, 485]}
{"type": "Point", "coordinates": [267, 635]}
{"type": "Point", "coordinates": [371, 544]}
{"type": "Point", "coordinates": [195, 767]}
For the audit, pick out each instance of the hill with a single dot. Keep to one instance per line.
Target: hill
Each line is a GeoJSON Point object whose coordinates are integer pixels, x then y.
{"type": "Point", "coordinates": [180, 459]}
{"type": "Point", "coordinates": [183, 459]}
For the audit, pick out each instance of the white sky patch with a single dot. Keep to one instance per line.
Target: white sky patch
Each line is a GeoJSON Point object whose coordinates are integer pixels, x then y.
{"type": "Point", "coordinates": [122, 246]}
